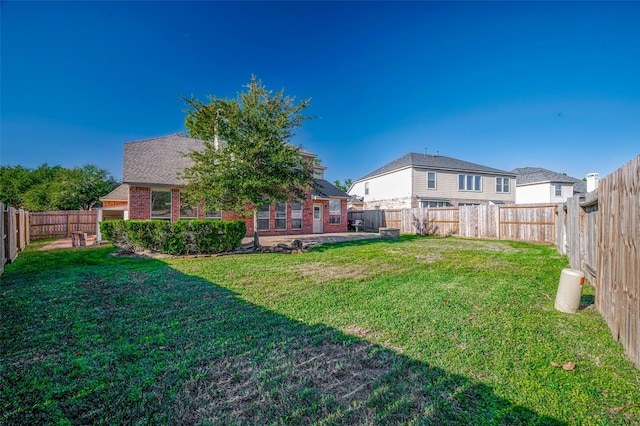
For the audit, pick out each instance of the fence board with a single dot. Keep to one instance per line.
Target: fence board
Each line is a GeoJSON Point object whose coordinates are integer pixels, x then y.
{"type": "Point", "coordinates": [618, 257]}
{"type": "Point", "coordinates": [62, 223]}
{"type": "Point", "coordinates": [12, 233]}
{"type": "Point", "coordinates": [535, 223]}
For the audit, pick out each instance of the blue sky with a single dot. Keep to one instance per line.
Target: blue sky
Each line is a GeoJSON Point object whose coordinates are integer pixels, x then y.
{"type": "Point", "coordinates": [502, 84]}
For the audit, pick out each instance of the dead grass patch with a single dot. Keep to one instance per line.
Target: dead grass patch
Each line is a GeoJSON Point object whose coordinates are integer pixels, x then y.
{"type": "Point", "coordinates": [324, 272]}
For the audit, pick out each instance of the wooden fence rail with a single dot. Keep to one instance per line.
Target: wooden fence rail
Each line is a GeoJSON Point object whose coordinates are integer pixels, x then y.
{"type": "Point", "coordinates": [14, 232]}
{"type": "Point", "coordinates": [520, 223]}
{"type": "Point", "coordinates": [62, 223]}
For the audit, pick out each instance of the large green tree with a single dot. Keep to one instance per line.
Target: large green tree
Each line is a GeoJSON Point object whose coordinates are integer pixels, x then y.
{"type": "Point", "coordinates": [80, 188]}
{"type": "Point", "coordinates": [247, 160]}
{"type": "Point", "coordinates": [53, 187]}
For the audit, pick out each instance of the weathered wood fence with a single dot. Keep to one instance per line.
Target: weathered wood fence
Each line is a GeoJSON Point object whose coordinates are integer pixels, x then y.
{"type": "Point", "coordinates": [14, 231]}
{"type": "Point", "coordinates": [601, 236]}
{"type": "Point", "coordinates": [514, 222]}
{"type": "Point", "coordinates": [62, 223]}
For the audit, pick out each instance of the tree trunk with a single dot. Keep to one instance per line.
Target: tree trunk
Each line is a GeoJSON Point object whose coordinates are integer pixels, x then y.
{"type": "Point", "coordinates": [256, 239]}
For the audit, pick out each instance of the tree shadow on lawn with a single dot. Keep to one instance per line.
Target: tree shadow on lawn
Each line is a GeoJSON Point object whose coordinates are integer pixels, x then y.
{"type": "Point", "coordinates": [166, 347]}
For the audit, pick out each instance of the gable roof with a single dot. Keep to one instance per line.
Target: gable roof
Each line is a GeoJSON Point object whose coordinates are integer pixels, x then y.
{"type": "Point", "coordinates": [158, 160]}
{"type": "Point", "coordinates": [121, 193]}
{"type": "Point", "coordinates": [525, 175]}
{"type": "Point", "coordinates": [533, 175]}
{"type": "Point", "coordinates": [436, 162]}
{"type": "Point", "coordinates": [325, 189]}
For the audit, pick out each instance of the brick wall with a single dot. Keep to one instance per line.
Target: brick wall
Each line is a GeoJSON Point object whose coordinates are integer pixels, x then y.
{"type": "Point", "coordinates": [140, 202]}
{"type": "Point", "coordinates": [140, 208]}
{"type": "Point", "coordinates": [175, 204]}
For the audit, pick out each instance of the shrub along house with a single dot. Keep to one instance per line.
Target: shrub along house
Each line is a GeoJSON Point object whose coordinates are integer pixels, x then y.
{"type": "Point", "coordinates": [151, 173]}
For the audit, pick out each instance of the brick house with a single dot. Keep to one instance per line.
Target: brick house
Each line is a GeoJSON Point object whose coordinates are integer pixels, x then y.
{"type": "Point", "coordinates": [151, 181]}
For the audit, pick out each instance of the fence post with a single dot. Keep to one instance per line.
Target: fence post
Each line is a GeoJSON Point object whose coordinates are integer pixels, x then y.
{"type": "Point", "coordinates": [3, 239]}
{"type": "Point", "coordinates": [98, 220]}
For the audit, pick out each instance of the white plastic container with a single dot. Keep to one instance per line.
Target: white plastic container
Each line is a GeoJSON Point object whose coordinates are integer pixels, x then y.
{"type": "Point", "coordinates": [569, 291]}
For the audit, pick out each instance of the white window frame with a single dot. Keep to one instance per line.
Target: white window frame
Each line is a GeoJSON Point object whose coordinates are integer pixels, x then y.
{"type": "Point", "coordinates": [474, 181]}
{"type": "Point", "coordinates": [168, 216]}
{"type": "Point", "coordinates": [366, 188]}
{"type": "Point", "coordinates": [296, 214]}
{"type": "Point", "coordinates": [434, 204]}
{"type": "Point", "coordinates": [333, 213]}
{"type": "Point", "coordinates": [262, 216]}
{"type": "Point", "coordinates": [429, 180]}
{"type": "Point", "coordinates": [558, 188]}
{"type": "Point", "coordinates": [501, 184]}
{"type": "Point", "coordinates": [213, 214]}
{"type": "Point", "coordinates": [279, 216]}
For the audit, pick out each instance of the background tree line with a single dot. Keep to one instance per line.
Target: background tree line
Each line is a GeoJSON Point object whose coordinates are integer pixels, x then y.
{"type": "Point", "coordinates": [54, 187]}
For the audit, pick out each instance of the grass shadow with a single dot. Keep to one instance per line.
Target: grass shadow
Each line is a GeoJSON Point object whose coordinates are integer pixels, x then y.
{"type": "Point", "coordinates": [586, 301]}
{"type": "Point", "coordinates": [126, 340]}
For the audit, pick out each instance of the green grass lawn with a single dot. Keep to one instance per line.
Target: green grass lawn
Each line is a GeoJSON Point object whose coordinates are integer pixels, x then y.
{"type": "Point", "coordinates": [412, 331]}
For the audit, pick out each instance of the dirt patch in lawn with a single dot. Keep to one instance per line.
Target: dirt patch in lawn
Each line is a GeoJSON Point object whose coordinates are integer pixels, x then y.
{"type": "Point", "coordinates": [323, 272]}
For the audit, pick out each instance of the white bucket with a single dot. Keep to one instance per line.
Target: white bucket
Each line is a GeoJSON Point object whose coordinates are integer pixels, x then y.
{"type": "Point", "coordinates": [569, 291]}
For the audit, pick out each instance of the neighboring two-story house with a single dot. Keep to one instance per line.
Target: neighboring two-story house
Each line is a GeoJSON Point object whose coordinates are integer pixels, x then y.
{"type": "Point", "coordinates": [535, 185]}
{"type": "Point", "coordinates": [153, 187]}
{"type": "Point", "coordinates": [425, 180]}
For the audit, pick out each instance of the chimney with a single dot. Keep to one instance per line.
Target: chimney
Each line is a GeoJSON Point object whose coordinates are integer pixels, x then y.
{"type": "Point", "coordinates": [592, 181]}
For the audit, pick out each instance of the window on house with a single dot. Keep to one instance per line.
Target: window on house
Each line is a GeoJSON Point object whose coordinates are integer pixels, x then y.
{"type": "Point", "coordinates": [431, 180]}
{"type": "Point", "coordinates": [558, 190]}
{"type": "Point", "coordinates": [264, 217]}
{"type": "Point", "coordinates": [434, 204]}
{"type": "Point", "coordinates": [335, 212]}
{"type": "Point", "coordinates": [213, 214]}
{"type": "Point", "coordinates": [296, 215]}
{"type": "Point", "coordinates": [502, 184]}
{"type": "Point", "coordinates": [280, 212]}
{"type": "Point", "coordinates": [366, 188]}
{"type": "Point", "coordinates": [470, 182]}
{"type": "Point", "coordinates": [187, 211]}
{"type": "Point", "coordinates": [161, 205]}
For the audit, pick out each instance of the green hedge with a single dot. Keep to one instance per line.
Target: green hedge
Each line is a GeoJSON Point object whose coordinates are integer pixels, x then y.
{"type": "Point", "coordinates": [201, 236]}
{"type": "Point", "coordinates": [206, 236]}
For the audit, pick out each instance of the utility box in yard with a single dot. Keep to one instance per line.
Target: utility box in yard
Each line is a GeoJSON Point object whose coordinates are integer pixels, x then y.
{"type": "Point", "coordinates": [569, 291]}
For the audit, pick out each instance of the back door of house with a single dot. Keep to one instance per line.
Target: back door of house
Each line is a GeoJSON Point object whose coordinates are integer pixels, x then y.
{"type": "Point", "coordinates": [317, 219]}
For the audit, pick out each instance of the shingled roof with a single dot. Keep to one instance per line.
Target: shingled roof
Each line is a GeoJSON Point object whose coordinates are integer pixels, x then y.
{"type": "Point", "coordinates": [121, 193]}
{"type": "Point", "coordinates": [531, 175]}
{"type": "Point", "coordinates": [159, 160]}
{"type": "Point", "coordinates": [325, 189]}
{"type": "Point", "coordinates": [526, 175]}
{"type": "Point", "coordinates": [435, 162]}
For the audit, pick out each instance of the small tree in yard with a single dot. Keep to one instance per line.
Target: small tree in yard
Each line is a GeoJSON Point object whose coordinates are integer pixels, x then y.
{"type": "Point", "coordinates": [247, 160]}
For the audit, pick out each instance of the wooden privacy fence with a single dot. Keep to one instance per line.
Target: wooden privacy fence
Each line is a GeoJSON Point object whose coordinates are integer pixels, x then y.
{"type": "Point", "coordinates": [601, 236]}
{"type": "Point", "coordinates": [521, 223]}
{"type": "Point", "coordinates": [62, 223]}
{"type": "Point", "coordinates": [14, 230]}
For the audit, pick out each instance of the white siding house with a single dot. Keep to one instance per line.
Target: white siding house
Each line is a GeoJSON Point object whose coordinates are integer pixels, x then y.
{"type": "Point", "coordinates": [535, 185]}
{"type": "Point", "coordinates": [421, 180]}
